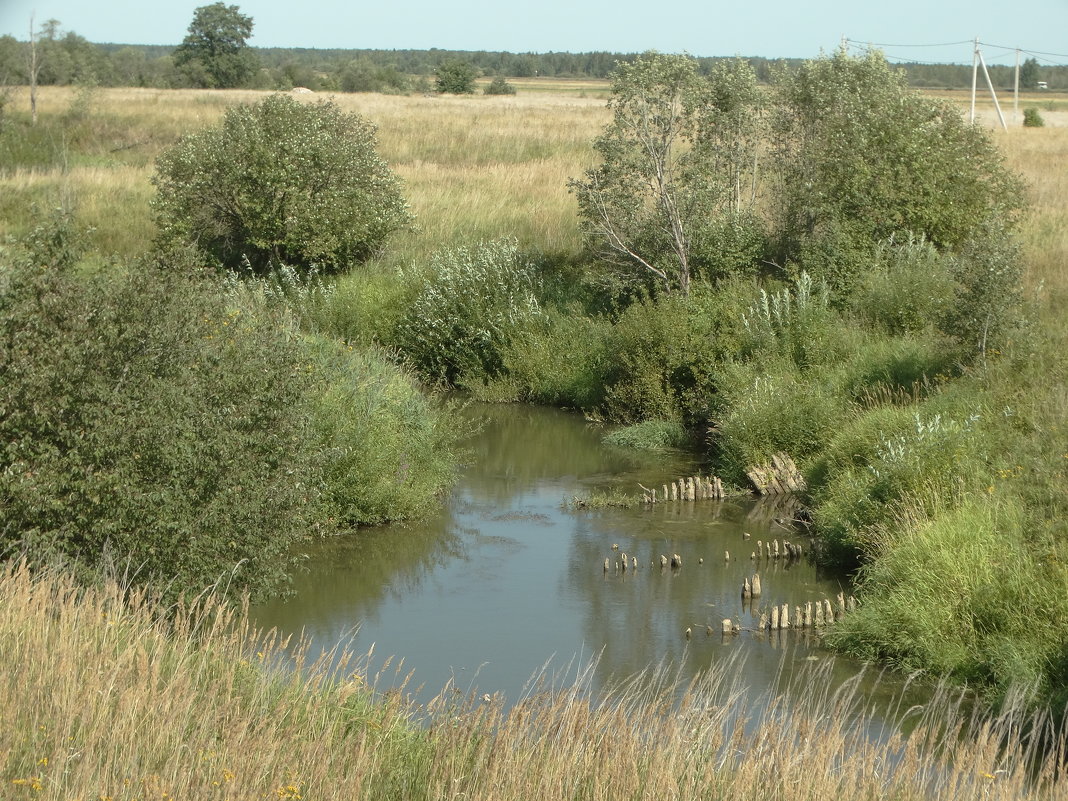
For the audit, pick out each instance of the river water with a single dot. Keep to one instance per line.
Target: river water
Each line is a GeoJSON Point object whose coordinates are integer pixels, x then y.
{"type": "Point", "coordinates": [508, 582]}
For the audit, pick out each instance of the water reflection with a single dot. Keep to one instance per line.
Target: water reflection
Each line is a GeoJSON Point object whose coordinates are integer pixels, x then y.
{"type": "Point", "coordinates": [505, 579]}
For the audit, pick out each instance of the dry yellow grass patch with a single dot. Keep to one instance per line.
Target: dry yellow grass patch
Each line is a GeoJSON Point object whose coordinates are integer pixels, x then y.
{"type": "Point", "coordinates": [102, 697]}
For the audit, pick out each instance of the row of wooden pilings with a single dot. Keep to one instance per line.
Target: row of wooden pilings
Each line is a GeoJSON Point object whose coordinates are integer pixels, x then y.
{"type": "Point", "coordinates": [813, 615]}
{"type": "Point", "coordinates": [692, 488]}
{"type": "Point", "coordinates": [768, 550]}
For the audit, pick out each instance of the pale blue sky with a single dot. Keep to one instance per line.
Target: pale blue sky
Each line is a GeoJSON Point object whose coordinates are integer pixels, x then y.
{"type": "Point", "coordinates": [772, 28]}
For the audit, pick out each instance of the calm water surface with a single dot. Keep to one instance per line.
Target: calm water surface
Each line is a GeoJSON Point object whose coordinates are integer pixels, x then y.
{"type": "Point", "coordinates": [506, 580]}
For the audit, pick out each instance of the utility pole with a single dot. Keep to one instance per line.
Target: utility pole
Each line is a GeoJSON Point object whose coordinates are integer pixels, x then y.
{"type": "Point", "coordinates": [1016, 91]}
{"type": "Point", "coordinates": [993, 94]}
{"type": "Point", "coordinates": [975, 75]}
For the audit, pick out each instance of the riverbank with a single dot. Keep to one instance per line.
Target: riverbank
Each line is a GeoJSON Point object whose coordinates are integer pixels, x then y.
{"type": "Point", "coordinates": [104, 697]}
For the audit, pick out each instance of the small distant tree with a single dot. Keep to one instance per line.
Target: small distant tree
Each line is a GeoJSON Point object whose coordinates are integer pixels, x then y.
{"type": "Point", "coordinates": [215, 53]}
{"type": "Point", "coordinates": [1029, 74]}
{"type": "Point", "coordinates": [34, 71]}
{"type": "Point", "coordinates": [280, 182]}
{"type": "Point", "coordinates": [499, 86]}
{"type": "Point", "coordinates": [455, 77]}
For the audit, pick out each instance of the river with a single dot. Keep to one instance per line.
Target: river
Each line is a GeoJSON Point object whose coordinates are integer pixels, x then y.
{"type": "Point", "coordinates": [507, 582]}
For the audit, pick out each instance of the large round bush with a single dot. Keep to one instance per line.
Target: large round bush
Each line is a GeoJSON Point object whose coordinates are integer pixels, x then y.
{"type": "Point", "coordinates": [280, 182]}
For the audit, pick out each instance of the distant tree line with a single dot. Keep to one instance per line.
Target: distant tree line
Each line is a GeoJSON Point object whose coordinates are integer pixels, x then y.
{"type": "Point", "coordinates": [67, 58]}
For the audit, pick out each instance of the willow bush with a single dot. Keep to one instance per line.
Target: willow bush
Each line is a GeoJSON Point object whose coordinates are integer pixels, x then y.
{"type": "Point", "coordinates": [280, 182]}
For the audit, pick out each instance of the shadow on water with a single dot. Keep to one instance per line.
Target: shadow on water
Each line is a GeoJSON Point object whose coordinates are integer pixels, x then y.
{"type": "Point", "coordinates": [506, 580]}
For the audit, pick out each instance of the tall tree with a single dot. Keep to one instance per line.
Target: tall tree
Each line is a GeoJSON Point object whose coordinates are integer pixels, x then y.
{"type": "Point", "coordinates": [673, 190]}
{"type": "Point", "coordinates": [1029, 74]}
{"type": "Point", "coordinates": [215, 53]}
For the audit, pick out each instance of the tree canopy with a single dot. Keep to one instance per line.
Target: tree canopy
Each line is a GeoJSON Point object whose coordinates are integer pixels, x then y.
{"type": "Point", "coordinates": [215, 53]}
{"type": "Point", "coordinates": [280, 182]}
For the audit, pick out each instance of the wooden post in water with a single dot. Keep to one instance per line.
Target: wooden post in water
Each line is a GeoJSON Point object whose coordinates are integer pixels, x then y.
{"type": "Point", "coordinates": [663, 561]}
{"type": "Point", "coordinates": [784, 617]}
{"type": "Point", "coordinates": [747, 590]}
{"type": "Point", "coordinates": [818, 621]}
{"type": "Point", "coordinates": [841, 606]}
{"type": "Point", "coordinates": [727, 626]}
{"type": "Point", "coordinates": [808, 614]}
{"type": "Point", "coordinates": [676, 560]}
{"type": "Point", "coordinates": [756, 585]}
{"type": "Point", "coordinates": [775, 618]}
{"type": "Point", "coordinates": [775, 553]}
{"type": "Point", "coordinates": [828, 613]}
{"type": "Point", "coordinates": [763, 625]}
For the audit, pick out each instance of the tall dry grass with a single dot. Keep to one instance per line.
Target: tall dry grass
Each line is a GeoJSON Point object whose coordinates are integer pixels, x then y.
{"type": "Point", "coordinates": [475, 167]}
{"type": "Point", "coordinates": [103, 697]}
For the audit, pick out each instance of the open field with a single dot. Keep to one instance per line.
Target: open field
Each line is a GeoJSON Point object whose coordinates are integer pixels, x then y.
{"type": "Point", "coordinates": [475, 167]}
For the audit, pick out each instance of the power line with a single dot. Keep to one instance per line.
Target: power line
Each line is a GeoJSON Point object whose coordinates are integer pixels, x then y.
{"type": "Point", "coordinates": [1029, 52]}
{"type": "Point", "coordinates": [883, 44]}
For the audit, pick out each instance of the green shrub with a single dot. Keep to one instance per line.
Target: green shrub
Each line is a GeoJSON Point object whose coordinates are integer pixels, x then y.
{"type": "Point", "coordinates": [455, 77]}
{"type": "Point", "coordinates": [559, 359]}
{"type": "Point", "coordinates": [770, 407]}
{"type": "Point", "coordinates": [1032, 118]}
{"type": "Point", "coordinates": [944, 597]}
{"type": "Point", "coordinates": [924, 455]}
{"type": "Point", "coordinates": [474, 301]}
{"type": "Point", "coordinates": [499, 86]}
{"type": "Point", "coordinates": [665, 354]}
{"type": "Point", "coordinates": [793, 323]}
{"type": "Point", "coordinates": [389, 450]}
{"type": "Point", "coordinates": [144, 418]}
{"type": "Point", "coordinates": [986, 307]}
{"type": "Point", "coordinates": [280, 182]}
{"type": "Point", "coordinates": [863, 156]}
{"type": "Point", "coordinates": [907, 287]}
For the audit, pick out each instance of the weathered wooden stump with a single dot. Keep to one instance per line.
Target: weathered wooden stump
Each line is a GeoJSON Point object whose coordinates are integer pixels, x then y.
{"type": "Point", "coordinates": [784, 617]}
{"type": "Point", "coordinates": [727, 629]}
{"type": "Point", "coordinates": [747, 590]}
{"type": "Point", "coordinates": [780, 476]}
{"type": "Point", "coordinates": [607, 563]}
{"type": "Point", "coordinates": [676, 560]}
{"type": "Point", "coordinates": [775, 618]}
{"type": "Point", "coordinates": [756, 585]}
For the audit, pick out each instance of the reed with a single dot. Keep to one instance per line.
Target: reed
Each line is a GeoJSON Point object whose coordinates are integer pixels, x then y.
{"type": "Point", "coordinates": [105, 697]}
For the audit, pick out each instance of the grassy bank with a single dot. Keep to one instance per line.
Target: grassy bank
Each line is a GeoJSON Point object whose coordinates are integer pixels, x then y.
{"type": "Point", "coordinates": [106, 698]}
